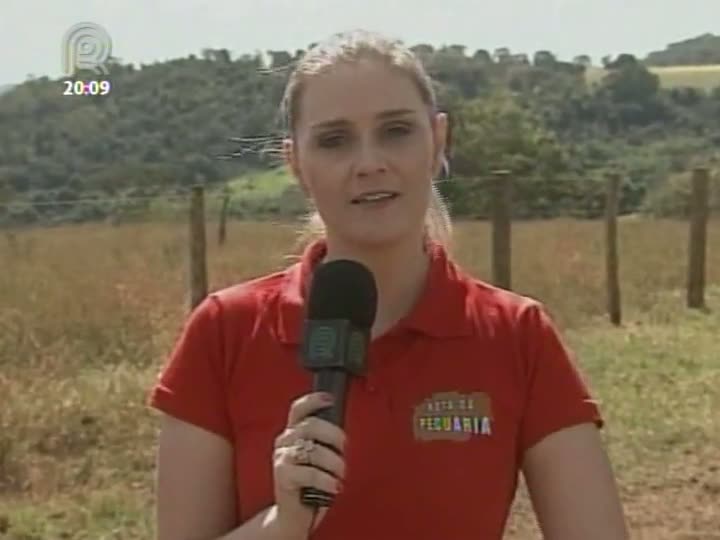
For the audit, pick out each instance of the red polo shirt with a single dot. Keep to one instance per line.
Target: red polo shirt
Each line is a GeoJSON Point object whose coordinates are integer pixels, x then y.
{"type": "Point", "coordinates": [454, 394]}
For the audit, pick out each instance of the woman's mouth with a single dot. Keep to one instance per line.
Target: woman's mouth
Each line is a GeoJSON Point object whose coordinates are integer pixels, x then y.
{"type": "Point", "coordinates": [375, 197]}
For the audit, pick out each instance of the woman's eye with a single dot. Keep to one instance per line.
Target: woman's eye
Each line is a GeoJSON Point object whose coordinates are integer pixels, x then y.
{"type": "Point", "coordinates": [399, 129]}
{"type": "Point", "coordinates": [328, 142]}
{"type": "Point", "coordinates": [335, 140]}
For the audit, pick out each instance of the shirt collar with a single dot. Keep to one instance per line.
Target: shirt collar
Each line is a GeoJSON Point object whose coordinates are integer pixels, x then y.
{"type": "Point", "coordinates": [441, 310]}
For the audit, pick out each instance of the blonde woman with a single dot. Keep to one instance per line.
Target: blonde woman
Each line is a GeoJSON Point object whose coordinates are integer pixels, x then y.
{"type": "Point", "coordinates": [468, 385]}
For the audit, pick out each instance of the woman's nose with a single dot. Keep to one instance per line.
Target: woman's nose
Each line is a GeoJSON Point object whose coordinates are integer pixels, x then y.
{"type": "Point", "coordinates": [370, 159]}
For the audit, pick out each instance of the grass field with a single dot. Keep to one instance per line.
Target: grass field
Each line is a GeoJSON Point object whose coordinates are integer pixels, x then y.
{"type": "Point", "coordinates": [705, 77]}
{"type": "Point", "coordinates": [88, 314]}
{"type": "Point", "coordinates": [260, 185]}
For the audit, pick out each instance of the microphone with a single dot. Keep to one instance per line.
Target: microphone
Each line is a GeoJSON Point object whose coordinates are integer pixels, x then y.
{"type": "Point", "coordinates": [341, 309]}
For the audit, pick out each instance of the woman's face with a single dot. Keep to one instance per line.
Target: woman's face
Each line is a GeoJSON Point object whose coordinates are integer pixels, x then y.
{"type": "Point", "coordinates": [381, 140]}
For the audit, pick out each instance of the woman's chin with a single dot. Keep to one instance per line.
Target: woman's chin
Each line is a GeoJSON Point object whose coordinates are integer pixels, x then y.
{"type": "Point", "coordinates": [377, 236]}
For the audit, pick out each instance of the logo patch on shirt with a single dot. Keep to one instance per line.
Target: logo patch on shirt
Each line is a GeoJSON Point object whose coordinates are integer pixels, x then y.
{"type": "Point", "coordinates": [453, 416]}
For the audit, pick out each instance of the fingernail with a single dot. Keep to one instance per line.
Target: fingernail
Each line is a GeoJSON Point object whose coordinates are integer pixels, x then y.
{"type": "Point", "coordinates": [327, 398]}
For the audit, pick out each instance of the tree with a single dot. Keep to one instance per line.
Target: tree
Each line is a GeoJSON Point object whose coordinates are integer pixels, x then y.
{"type": "Point", "coordinates": [544, 59]}
{"type": "Point", "coordinates": [279, 59]}
{"type": "Point", "coordinates": [502, 55]}
{"type": "Point", "coordinates": [423, 49]}
{"type": "Point", "coordinates": [623, 61]}
{"type": "Point", "coordinates": [450, 66]}
{"type": "Point", "coordinates": [583, 60]}
{"type": "Point", "coordinates": [223, 55]}
{"type": "Point", "coordinates": [629, 81]}
{"type": "Point", "coordinates": [6, 192]}
{"type": "Point", "coordinates": [497, 133]}
{"type": "Point", "coordinates": [482, 56]}
{"type": "Point", "coordinates": [217, 55]}
{"type": "Point", "coordinates": [458, 49]}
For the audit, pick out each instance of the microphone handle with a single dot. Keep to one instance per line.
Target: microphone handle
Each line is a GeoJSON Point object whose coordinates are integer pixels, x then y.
{"type": "Point", "coordinates": [334, 382]}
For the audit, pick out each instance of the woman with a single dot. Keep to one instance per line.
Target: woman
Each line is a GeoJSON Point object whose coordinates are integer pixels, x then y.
{"type": "Point", "coordinates": [467, 384]}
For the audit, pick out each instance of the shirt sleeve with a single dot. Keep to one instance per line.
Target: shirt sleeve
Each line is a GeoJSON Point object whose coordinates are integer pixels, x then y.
{"type": "Point", "coordinates": [191, 386]}
{"type": "Point", "coordinates": [556, 393]}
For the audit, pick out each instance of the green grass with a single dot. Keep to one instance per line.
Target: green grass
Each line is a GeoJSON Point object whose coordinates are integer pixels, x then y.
{"type": "Point", "coordinates": [260, 185]}
{"type": "Point", "coordinates": [656, 379]}
{"type": "Point", "coordinates": [253, 190]}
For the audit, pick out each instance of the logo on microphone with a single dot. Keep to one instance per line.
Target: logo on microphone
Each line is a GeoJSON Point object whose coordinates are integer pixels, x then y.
{"type": "Point", "coordinates": [322, 342]}
{"type": "Point", "coordinates": [453, 416]}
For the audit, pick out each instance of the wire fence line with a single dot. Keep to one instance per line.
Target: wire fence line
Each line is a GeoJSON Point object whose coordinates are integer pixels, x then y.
{"type": "Point", "coordinates": [501, 218]}
{"type": "Point", "coordinates": [73, 202]}
{"type": "Point", "coordinates": [267, 146]}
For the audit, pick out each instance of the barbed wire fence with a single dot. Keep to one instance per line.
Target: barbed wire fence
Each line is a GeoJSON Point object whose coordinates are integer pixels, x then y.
{"type": "Point", "coordinates": [193, 200]}
{"type": "Point", "coordinates": [500, 184]}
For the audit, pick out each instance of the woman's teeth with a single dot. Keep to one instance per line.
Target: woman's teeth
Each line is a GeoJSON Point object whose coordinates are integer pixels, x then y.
{"type": "Point", "coordinates": [373, 197]}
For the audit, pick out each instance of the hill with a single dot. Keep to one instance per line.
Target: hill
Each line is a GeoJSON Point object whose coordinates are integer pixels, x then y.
{"type": "Point", "coordinates": [700, 77]}
{"type": "Point", "coordinates": [163, 126]}
{"type": "Point", "coordinates": [701, 50]}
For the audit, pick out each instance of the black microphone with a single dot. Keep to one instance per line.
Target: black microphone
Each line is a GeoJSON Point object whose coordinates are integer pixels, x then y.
{"type": "Point", "coordinates": [341, 310]}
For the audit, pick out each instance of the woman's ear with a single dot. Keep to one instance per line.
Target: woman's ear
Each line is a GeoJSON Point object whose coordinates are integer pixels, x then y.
{"type": "Point", "coordinates": [291, 161]}
{"type": "Point", "coordinates": [288, 151]}
{"type": "Point", "coordinates": [440, 133]}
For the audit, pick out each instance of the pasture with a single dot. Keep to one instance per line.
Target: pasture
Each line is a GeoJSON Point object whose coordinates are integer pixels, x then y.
{"type": "Point", "coordinates": [701, 77]}
{"type": "Point", "coordinates": [89, 313]}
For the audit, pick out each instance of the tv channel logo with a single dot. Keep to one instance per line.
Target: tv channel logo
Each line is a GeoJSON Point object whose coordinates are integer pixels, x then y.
{"type": "Point", "coordinates": [87, 46]}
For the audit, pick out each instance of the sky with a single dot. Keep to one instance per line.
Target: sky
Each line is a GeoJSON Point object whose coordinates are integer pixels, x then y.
{"type": "Point", "coordinates": [144, 31]}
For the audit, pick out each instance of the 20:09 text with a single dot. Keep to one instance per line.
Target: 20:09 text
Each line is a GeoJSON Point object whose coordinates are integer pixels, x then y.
{"type": "Point", "coordinates": [86, 88]}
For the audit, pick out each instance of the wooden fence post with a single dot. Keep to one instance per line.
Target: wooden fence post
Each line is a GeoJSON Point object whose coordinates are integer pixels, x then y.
{"type": "Point", "coordinates": [222, 232]}
{"type": "Point", "coordinates": [501, 214]}
{"type": "Point", "coordinates": [698, 238]}
{"type": "Point", "coordinates": [611, 252]}
{"type": "Point", "coordinates": [198, 256]}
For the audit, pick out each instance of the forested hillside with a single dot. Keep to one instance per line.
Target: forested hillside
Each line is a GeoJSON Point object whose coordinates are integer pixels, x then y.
{"type": "Point", "coordinates": [163, 126]}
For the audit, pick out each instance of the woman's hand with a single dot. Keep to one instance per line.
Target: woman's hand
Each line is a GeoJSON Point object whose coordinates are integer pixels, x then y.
{"type": "Point", "coordinates": [291, 473]}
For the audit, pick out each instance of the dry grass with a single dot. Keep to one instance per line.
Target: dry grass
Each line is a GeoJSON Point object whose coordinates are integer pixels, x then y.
{"type": "Point", "coordinates": [702, 77]}
{"type": "Point", "coordinates": [87, 315]}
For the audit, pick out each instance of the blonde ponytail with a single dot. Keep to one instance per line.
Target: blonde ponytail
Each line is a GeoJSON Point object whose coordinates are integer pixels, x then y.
{"type": "Point", "coordinates": [438, 223]}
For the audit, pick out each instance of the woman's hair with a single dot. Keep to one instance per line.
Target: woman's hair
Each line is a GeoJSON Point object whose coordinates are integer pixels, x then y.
{"type": "Point", "coordinates": [348, 47]}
